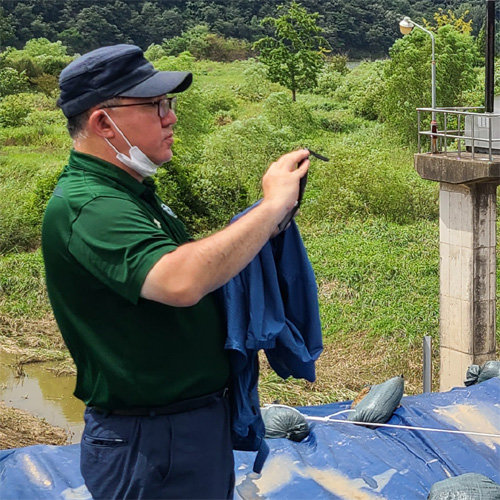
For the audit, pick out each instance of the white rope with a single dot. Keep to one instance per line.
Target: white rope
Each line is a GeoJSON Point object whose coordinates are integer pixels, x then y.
{"type": "Point", "coordinates": [394, 426]}
{"type": "Point", "coordinates": [339, 412]}
{"type": "Point", "coordinates": [329, 419]}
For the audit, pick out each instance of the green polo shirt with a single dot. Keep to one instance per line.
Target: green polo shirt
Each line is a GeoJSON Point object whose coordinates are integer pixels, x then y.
{"type": "Point", "coordinates": [102, 233]}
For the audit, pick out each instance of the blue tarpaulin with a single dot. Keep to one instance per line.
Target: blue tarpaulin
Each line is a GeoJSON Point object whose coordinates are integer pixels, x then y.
{"type": "Point", "coordinates": [336, 460]}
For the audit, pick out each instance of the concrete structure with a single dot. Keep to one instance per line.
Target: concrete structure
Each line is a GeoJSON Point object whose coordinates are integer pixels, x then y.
{"type": "Point", "coordinates": [467, 213]}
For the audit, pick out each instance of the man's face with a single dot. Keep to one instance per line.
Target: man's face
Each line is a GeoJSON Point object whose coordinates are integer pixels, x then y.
{"type": "Point", "coordinates": [144, 128]}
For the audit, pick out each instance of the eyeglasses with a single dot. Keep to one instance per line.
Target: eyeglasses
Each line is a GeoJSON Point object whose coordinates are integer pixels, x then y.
{"type": "Point", "coordinates": [164, 105]}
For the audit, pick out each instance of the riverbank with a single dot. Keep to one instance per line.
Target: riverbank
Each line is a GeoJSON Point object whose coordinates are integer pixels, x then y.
{"type": "Point", "coordinates": [19, 428]}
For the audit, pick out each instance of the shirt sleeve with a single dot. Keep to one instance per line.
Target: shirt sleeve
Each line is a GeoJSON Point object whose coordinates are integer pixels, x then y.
{"type": "Point", "coordinates": [118, 243]}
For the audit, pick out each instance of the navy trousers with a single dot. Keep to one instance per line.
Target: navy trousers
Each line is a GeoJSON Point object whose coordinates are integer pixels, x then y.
{"type": "Point", "coordinates": [180, 456]}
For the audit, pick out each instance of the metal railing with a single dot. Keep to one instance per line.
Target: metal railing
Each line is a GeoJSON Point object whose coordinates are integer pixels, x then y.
{"type": "Point", "coordinates": [459, 130]}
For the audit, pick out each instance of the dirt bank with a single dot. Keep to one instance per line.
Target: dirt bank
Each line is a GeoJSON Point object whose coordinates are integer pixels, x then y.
{"type": "Point", "coordinates": [19, 428]}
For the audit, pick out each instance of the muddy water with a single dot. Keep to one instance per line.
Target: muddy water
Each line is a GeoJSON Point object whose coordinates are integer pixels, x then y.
{"type": "Point", "coordinates": [42, 393]}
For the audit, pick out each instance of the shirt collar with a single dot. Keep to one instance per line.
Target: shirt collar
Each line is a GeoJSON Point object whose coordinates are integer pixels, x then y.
{"type": "Point", "coordinates": [102, 168]}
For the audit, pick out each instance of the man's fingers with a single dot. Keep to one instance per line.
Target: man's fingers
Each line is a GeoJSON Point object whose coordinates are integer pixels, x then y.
{"type": "Point", "coordinates": [299, 156]}
{"type": "Point", "coordinates": [292, 159]}
{"type": "Point", "coordinates": [303, 167]}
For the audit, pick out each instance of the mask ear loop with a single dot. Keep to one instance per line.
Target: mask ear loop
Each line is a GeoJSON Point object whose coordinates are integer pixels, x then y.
{"type": "Point", "coordinates": [121, 133]}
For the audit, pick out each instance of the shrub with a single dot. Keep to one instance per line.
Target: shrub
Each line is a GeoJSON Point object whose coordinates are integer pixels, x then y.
{"type": "Point", "coordinates": [18, 234]}
{"type": "Point", "coordinates": [340, 121]}
{"type": "Point", "coordinates": [326, 105]}
{"type": "Point", "coordinates": [204, 198]}
{"type": "Point", "coordinates": [40, 195]}
{"type": "Point", "coordinates": [254, 84]}
{"type": "Point", "coordinates": [154, 52]}
{"type": "Point", "coordinates": [42, 135]}
{"type": "Point", "coordinates": [183, 62]}
{"type": "Point", "coordinates": [474, 96]}
{"type": "Point", "coordinates": [24, 65]}
{"type": "Point", "coordinates": [281, 112]}
{"type": "Point", "coordinates": [39, 56]}
{"type": "Point", "coordinates": [223, 195]}
{"type": "Point", "coordinates": [245, 148]}
{"type": "Point", "coordinates": [366, 96]}
{"type": "Point", "coordinates": [223, 118]}
{"type": "Point", "coordinates": [205, 45]}
{"type": "Point", "coordinates": [52, 65]}
{"type": "Point", "coordinates": [48, 84]}
{"type": "Point", "coordinates": [193, 40]}
{"type": "Point", "coordinates": [45, 117]}
{"type": "Point", "coordinates": [370, 174]}
{"type": "Point", "coordinates": [338, 63]}
{"type": "Point", "coordinates": [43, 47]}
{"type": "Point", "coordinates": [194, 117]}
{"type": "Point", "coordinates": [27, 179]}
{"type": "Point", "coordinates": [217, 99]}
{"type": "Point", "coordinates": [12, 82]}
{"type": "Point", "coordinates": [16, 107]}
{"type": "Point", "coordinates": [223, 49]}
{"type": "Point", "coordinates": [363, 89]}
{"type": "Point", "coordinates": [328, 81]}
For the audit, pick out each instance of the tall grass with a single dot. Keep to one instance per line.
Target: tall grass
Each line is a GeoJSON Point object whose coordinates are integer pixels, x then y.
{"type": "Point", "coordinates": [377, 277]}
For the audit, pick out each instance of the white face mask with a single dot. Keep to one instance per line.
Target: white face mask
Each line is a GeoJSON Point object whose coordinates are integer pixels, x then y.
{"type": "Point", "coordinates": [137, 160]}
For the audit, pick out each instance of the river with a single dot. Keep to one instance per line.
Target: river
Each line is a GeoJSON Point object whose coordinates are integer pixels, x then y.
{"type": "Point", "coordinates": [42, 393]}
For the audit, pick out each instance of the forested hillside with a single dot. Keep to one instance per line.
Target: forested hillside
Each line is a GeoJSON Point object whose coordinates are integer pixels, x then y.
{"type": "Point", "coordinates": [357, 28]}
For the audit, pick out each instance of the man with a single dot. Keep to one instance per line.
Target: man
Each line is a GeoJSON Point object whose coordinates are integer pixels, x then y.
{"type": "Point", "coordinates": [134, 296]}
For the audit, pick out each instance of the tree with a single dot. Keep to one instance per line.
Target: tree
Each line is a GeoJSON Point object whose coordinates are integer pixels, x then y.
{"type": "Point", "coordinates": [443, 18]}
{"type": "Point", "coordinates": [294, 56]}
{"type": "Point", "coordinates": [6, 29]}
{"type": "Point", "coordinates": [97, 30]}
{"type": "Point", "coordinates": [194, 40]}
{"type": "Point", "coordinates": [408, 75]}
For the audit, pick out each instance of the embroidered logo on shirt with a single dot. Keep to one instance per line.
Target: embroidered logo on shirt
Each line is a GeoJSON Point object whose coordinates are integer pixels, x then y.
{"type": "Point", "coordinates": [167, 209]}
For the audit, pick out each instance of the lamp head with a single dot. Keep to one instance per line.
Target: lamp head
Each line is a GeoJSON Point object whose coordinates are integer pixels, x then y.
{"type": "Point", "coordinates": [406, 25]}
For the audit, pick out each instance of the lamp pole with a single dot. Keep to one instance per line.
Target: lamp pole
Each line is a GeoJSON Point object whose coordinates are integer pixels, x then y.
{"type": "Point", "coordinates": [406, 26]}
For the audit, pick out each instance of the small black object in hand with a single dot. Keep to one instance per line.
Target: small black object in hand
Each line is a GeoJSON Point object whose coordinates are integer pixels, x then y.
{"type": "Point", "coordinates": [302, 187]}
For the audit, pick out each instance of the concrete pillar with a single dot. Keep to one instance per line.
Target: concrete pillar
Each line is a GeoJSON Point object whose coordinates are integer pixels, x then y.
{"type": "Point", "coordinates": [468, 259]}
{"type": "Point", "coordinates": [467, 278]}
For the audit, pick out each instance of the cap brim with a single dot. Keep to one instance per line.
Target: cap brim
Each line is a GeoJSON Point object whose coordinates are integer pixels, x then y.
{"type": "Point", "coordinates": [163, 82]}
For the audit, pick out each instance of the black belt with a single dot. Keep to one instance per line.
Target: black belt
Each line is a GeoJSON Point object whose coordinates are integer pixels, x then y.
{"type": "Point", "coordinates": [177, 407]}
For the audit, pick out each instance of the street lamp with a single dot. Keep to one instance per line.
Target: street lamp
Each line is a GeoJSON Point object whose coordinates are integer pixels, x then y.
{"type": "Point", "coordinates": [406, 25]}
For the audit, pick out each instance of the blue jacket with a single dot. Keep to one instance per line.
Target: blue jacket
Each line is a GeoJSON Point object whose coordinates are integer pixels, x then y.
{"type": "Point", "coordinates": [272, 305]}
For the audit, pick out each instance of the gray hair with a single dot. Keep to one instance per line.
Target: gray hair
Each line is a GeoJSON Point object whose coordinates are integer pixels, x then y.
{"type": "Point", "coordinates": [76, 124]}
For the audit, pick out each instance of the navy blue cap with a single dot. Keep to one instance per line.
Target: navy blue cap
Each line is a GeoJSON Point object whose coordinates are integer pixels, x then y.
{"type": "Point", "coordinates": [114, 71]}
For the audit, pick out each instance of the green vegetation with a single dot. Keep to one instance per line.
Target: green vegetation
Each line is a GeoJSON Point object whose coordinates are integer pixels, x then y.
{"type": "Point", "coordinates": [407, 75]}
{"type": "Point", "coordinates": [368, 220]}
{"type": "Point", "coordinates": [294, 54]}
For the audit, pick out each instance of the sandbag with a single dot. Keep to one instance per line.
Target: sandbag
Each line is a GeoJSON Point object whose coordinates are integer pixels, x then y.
{"type": "Point", "coordinates": [380, 402]}
{"type": "Point", "coordinates": [468, 486]}
{"type": "Point", "coordinates": [284, 422]}
{"type": "Point", "coordinates": [476, 374]}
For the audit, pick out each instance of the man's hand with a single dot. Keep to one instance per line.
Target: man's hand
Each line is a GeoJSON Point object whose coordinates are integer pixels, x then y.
{"type": "Point", "coordinates": [280, 183]}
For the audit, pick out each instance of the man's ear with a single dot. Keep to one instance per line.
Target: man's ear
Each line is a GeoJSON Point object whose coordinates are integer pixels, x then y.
{"type": "Point", "coordinates": [100, 124]}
